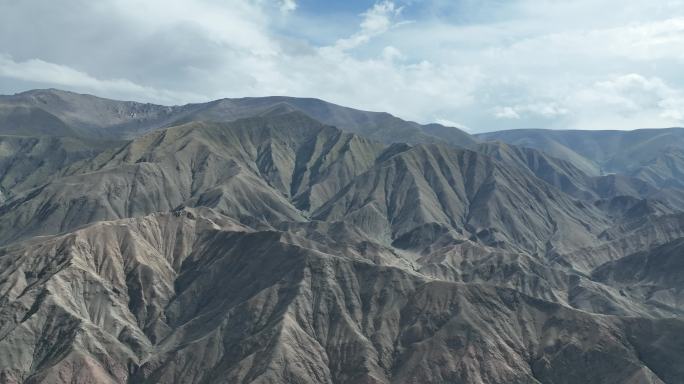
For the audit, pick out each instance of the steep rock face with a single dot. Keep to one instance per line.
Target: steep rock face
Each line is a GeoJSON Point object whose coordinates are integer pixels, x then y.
{"type": "Point", "coordinates": [464, 192]}
{"type": "Point", "coordinates": [271, 169]}
{"type": "Point", "coordinates": [223, 303]}
{"type": "Point", "coordinates": [294, 154]}
{"type": "Point", "coordinates": [562, 174]}
{"type": "Point", "coordinates": [256, 170]}
{"type": "Point", "coordinates": [86, 300]}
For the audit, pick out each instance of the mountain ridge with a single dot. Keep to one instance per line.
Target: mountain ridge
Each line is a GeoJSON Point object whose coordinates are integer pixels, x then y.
{"type": "Point", "coordinates": [92, 116]}
{"type": "Point", "coordinates": [269, 246]}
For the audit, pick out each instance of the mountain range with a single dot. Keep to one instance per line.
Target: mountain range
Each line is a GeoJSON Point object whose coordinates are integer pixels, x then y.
{"type": "Point", "coordinates": [653, 155]}
{"type": "Point", "coordinates": [290, 240]}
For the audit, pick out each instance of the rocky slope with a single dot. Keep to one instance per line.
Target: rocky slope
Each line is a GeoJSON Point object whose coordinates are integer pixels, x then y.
{"type": "Point", "coordinates": [275, 248]}
{"type": "Point", "coordinates": [28, 162]}
{"type": "Point", "coordinates": [191, 296]}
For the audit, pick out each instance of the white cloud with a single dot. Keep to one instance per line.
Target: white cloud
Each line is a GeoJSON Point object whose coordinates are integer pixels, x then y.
{"type": "Point", "coordinates": [673, 109]}
{"type": "Point", "coordinates": [547, 110]}
{"type": "Point", "coordinates": [391, 53]}
{"type": "Point", "coordinates": [454, 124]}
{"type": "Point", "coordinates": [288, 5]}
{"type": "Point", "coordinates": [626, 101]}
{"type": "Point", "coordinates": [641, 41]}
{"type": "Point", "coordinates": [631, 99]}
{"type": "Point", "coordinates": [489, 65]}
{"type": "Point", "coordinates": [506, 113]}
{"type": "Point", "coordinates": [36, 70]}
{"type": "Point", "coordinates": [377, 20]}
{"type": "Point", "coordinates": [231, 24]}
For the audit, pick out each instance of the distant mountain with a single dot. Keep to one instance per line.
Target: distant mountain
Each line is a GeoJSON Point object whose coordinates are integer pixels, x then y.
{"type": "Point", "coordinates": [82, 116]}
{"type": "Point", "coordinates": [274, 240]}
{"type": "Point", "coordinates": [28, 120]}
{"type": "Point", "coordinates": [61, 113]}
{"type": "Point", "coordinates": [653, 155]}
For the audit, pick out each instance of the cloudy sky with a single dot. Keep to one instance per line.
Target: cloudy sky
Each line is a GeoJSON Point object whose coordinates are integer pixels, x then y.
{"type": "Point", "coordinates": [479, 64]}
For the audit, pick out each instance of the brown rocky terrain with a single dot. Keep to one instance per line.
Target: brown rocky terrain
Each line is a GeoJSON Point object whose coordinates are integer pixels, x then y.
{"type": "Point", "coordinates": [275, 247]}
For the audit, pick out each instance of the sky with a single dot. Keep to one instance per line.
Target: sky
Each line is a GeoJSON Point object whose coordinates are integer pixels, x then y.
{"type": "Point", "coordinates": [479, 65]}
